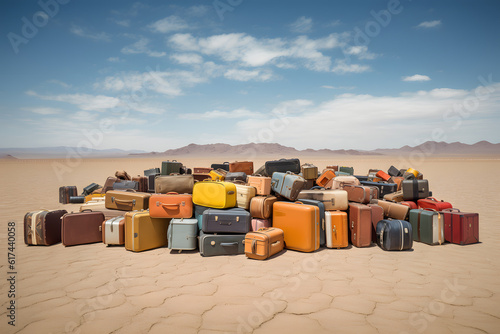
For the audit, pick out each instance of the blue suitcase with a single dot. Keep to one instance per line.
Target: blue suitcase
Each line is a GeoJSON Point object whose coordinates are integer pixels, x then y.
{"type": "Point", "coordinates": [287, 184]}
{"type": "Point", "coordinates": [233, 221]}
{"type": "Point", "coordinates": [182, 234]}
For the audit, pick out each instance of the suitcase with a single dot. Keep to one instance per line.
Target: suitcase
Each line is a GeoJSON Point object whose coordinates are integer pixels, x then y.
{"type": "Point", "coordinates": [151, 182]}
{"type": "Point", "coordinates": [372, 177]}
{"type": "Point", "coordinates": [342, 174]}
{"type": "Point", "coordinates": [398, 180]}
{"type": "Point", "coordinates": [410, 204]}
{"type": "Point", "coordinates": [217, 174]}
{"type": "Point", "coordinates": [215, 194]}
{"type": "Point", "coordinates": [124, 185]}
{"type": "Point", "coordinates": [383, 175]}
{"type": "Point", "coordinates": [183, 234]}
{"type": "Point", "coordinates": [325, 179]}
{"type": "Point", "coordinates": [432, 203]}
{"type": "Point", "coordinates": [394, 235]}
{"type": "Point", "coordinates": [113, 231]}
{"type": "Point", "coordinates": [309, 171]}
{"type": "Point", "coordinates": [460, 228]}
{"type": "Point", "coordinates": [76, 199]}
{"type": "Point", "coordinates": [142, 232]}
{"type": "Point", "coordinates": [101, 207]}
{"type": "Point", "coordinates": [339, 182]}
{"type": "Point", "coordinates": [262, 206]}
{"type": "Point", "coordinates": [394, 210]}
{"type": "Point", "coordinates": [230, 221]}
{"type": "Point", "coordinates": [171, 205]}
{"type": "Point", "coordinates": [152, 171]}
{"type": "Point", "coordinates": [127, 200]}
{"type": "Point", "coordinates": [81, 228]}
{"type": "Point", "coordinates": [383, 188]}
{"type": "Point", "coordinates": [65, 193]}
{"type": "Point", "coordinates": [348, 170]}
{"type": "Point", "coordinates": [360, 194]}
{"type": "Point", "coordinates": [142, 182]}
{"type": "Point", "coordinates": [335, 168]}
{"type": "Point", "coordinates": [322, 226]}
{"type": "Point", "coordinates": [201, 170]}
{"type": "Point", "coordinates": [394, 197]}
{"type": "Point", "coordinates": [393, 171]}
{"type": "Point", "coordinates": [300, 224]}
{"type": "Point", "coordinates": [235, 176]}
{"type": "Point", "coordinates": [221, 244]}
{"type": "Point", "coordinates": [360, 217]}
{"type": "Point", "coordinates": [262, 184]}
{"type": "Point", "coordinates": [283, 166]}
{"type": "Point", "coordinates": [241, 166]}
{"type": "Point", "coordinates": [108, 185]}
{"type": "Point", "coordinates": [264, 243]}
{"type": "Point", "coordinates": [287, 184]}
{"type": "Point", "coordinates": [95, 198]}
{"type": "Point", "coordinates": [182, 184]}
{"type": "Point", "coordinates": [428, 226]}
{"type": "Point", "coordinates": [377, 215]}
{"type": "Point", "coordinates": [90, 188]}
{"type": "Point", "coordinates": [201, 176]}
{"type": "Point", "coordinates": [258, 223]}
{"type": "Point", "coordinates": [198, 214]}
{"type": "Point", "coordinates": [185, 170]}
{"type": "Point", "coordinates": [244, 195]}
{"type": "Point", "coordinates": [224, 166]}
{"type": "Point", "coordinates": [412, 171]}
{"type": "Point", "coordinates": [333, 199]}
{"type": "Point", "coordinates": [170, 167]}
{"type": "Point", "coordinates": [415, 189]}
{"type": "Point", "coordinates": [43, 227]}
{"type": "Point", "coordinates": [336, 229]}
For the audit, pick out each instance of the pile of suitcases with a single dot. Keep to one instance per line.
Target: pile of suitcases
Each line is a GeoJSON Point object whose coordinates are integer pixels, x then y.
{"type": "Point", "coordinates": [231, 209]}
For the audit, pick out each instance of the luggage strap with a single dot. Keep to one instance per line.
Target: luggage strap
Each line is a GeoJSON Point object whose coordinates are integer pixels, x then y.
{"type": "Point", "coordinates": [418, 225]}
{"type": "Point", "coordinates": [34, 218]}
{"type": "Point", "coordinates": [415, 189]}
{"type": "Point", "coordinates": [440, 239]}
{"type": "Point", "coordinates": [381, 239]}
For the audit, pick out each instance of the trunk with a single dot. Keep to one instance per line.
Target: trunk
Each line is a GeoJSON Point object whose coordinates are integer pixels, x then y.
{"type": "Point", "coordinates": [43, 227]}
{"type": "Point", "coordinates": [460, 227]}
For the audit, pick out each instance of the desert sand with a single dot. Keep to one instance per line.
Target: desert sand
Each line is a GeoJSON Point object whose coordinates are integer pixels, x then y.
{"type": "Point", "coordinates": [99, 289]}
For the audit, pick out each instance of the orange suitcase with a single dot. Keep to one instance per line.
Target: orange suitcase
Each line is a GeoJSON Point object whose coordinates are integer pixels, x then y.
{"type": "Point", "coordinates": [242, 166]}
{"type": "Point", "coordinates": [171, 205]}
{"type": "Point", "coordinates": [261, 183]}
{"type": "Point", "coordinates": [325, 178]}
{"type": "Point", "coordinates": [264, 243]}
{"type": "Point", "coordinates": [300, 224]}
{"type": "Point", "coordinates": [336, 229]}
{"type": "Point", "coordinates": [383, 175]}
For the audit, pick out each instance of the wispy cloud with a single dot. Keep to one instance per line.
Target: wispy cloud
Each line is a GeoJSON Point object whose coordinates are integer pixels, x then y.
{"type": "Point", "coordinates": [123, 23]}
{"type": "Point", "coordinates": [187, 58]}
{"type": "Point", "coordinates": [302, 25]}
{"type": "Point", "coordinates": [44, 110]}
{"type": "Point", "coordinates": [142, 46]}
{"type": "Point", "coordinates": [338, 87]}
{"type": "Point", "coordinates": [416, 77]}
{"type": "Point", "coordinates": [429, 24]}
{"type": "Point", "coordinates": [361, 52]}
{"type": "Point", "coordinates": [217, 114]}
{"type": "Point", "coordinates": [60, 83]}
{"type": "Point", "coordinates": [114, 59]}
{"type": "Point", "coordinates": [83, 101]}
{"type": "Point", "coordinates": [168, 24]}
{"type": "Point", "coordinates": [101, 36]}
{"type": "Point", "coordinates": [198, 11]}
{"type": "Point", "coordinates": [342, 67]}
{"type": "Point", "coordinates": [244, 75]}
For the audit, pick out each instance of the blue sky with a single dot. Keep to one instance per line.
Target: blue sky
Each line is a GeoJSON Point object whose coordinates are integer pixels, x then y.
{"type": "Point", "coordinates": [154, 75]}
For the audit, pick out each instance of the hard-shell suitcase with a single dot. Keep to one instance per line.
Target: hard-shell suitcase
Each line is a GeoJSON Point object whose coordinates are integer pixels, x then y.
{"type": "Point", "coordinates": [415, 189]}
{"type": "Point", "coordinates": [339, 182]}
{"type": "Point", "coordinates": [360, 217]}
{"type": "Point", "coordinates": [300, 224]}
{"type": "Point", "coordinates": [393, 210]}
{"type": "Point", "coordinates": [142, 182]}
{"type": "Point", "coordinates": [432, 203]}
{"type": "Point", "coordinates": [309, 171]}
{"type": "Point", "coordinates": [171, 205]}
{"type": "Point", "coordinates": [81, 228]}
{"type": "Point", "coordinates": [101, 207]}
{"type": "Point", "coordinates": [336, 228]}
{"type": "Point", "coordinates": [283, 166]}
{"type": "Point", "coordinates": [217, 174]}
{"type": "Point", "coordinates": [221, 244]}
{"type": "Point", "coordinates": [258, 223]}
{"type": "Point", "coordinates": [244, 195]}
{"type": "Point", "coordinates": [198, 214]}
{"type": "Point", "coordinates": [262, 206]}
{"type": "Point", "coordinates": [95, 198]}
{"type": "Point", "coordinates": [90, 188]}
{"type": "Point", "coordinates": [182, 184]}
{"type": "Point", "coordinates": [377, 215]}
{"type": "Point", "coordinates": [345, 169]}
{"type": "Point", "coordinates": [127, 200]}
{"type": "Point", "coordinates": [201, 170]}
{"type": "Point", "coordinates": [393, 171]}
{"type": "Point", "coordinates": [325, 179]}
{"type": "Point", "coordinates": [383, 175]}
{"type": "Point", "coordinates": [235, 176]}
{"type": "Point", "coordinates": [394, 197]}
{"type": "Point", "coordinates": [224, 166]}
{"type": "Point", "coordinates": [43, 227]}
{"type": "Point", "coordinates": [125, 184]}
{"type": "Point", "coordinates": [241, 166]}
{"type": "Point", "coordinates": [170, 167]}
{"type": "Point", "coordinates": [231, 221]}
{"type": "Point", "coordinates": [215, 194]}
{"type": "Point", "coordinates": [264, 243]}
{"type": "Point", "coordinates": [143, 232]}
{"type": "Point", "coordinates": [322, 226]}
{"type": "Point", "coordinates": [152, 171]}
{"type": "Point", "coordinates": [394, 235]}
{"type": "Point", "coordinates": [428, 226]}
{"type": "Point", "coordinates": [412, 171]}
{"type": "Point", "coordinates": [333, 199]}
{"type": "Point", "coordinates": [113, 231]}
{"type": "Point", "coordinates": [287, 184]}
{"type": "Point", "coordinates": [383, 188]}
{"type": "Point", "coordinates": [108, 185]}
{"type": "Point", "coordinates": [183, 234]}
{"type": "Point", "coordinates": [262, 184]}
{"type": "Point", "coordinates": [151, 182]}
{"type": "Point", "coordinates": [66, 192]}
{"type": "Point", "coordinates": [360, 194]}
{"type": "Point", "coordinates": [460, 227]}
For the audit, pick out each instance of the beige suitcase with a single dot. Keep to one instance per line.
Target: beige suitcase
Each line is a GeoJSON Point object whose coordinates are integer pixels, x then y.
{"type": "Point", "coordinates": [129, 200]}
{"type": "Point", "coordinates": [244, 195]}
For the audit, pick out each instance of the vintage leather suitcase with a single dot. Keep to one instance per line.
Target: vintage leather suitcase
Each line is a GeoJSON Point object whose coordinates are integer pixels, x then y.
{"type": "Point", "coordinates": [432, 203]}
{"type": "Point", "coordinates": [398, 180]}
{"type": "Point", "coordinates": [241, 166]}
{"type": "Point", "coordinates": [383, 175]}
{"type": "Point", "coordinates": [152, 171]}
{"type": "Point", "coordinates": [394, 235]}
{"type": "Point", "coordinates": [221, 244]}
{"type": "Point", "coordinates": [81, 228]}
{"type": "Point", "coordinates": [66, 192]}
{"type": "Point", "coordinates": [383, 187]}
{"type": "Point", "coordinates": [264, 243]}
{"type": "Point", "coordinates": [360, 194]}
{"type": "Point", "coordinates": [170, 167]}
{"type": "Point", "coordinates": [325, 179]}
{"type": "Point", "coordinates": [142, 182]}
{"type": "Point", "coordinates": [333, 199]}
{"type": "Point", "coordinates": [43, 227]}
{"type": "Point", "coordinates": [393, 210]}
{"type": "Point", "coordinates": [428, 226]}
{"type": "Point", "coordinates": [287, 184]}
{"type": "Point", "coordinates": [283, 166]}
{"type": "Point", "coordinates": [113, 231]}
{"type": "Point", "coordinates": [217, 174]}
{"type": "Point", "coordinates": [322, 226]}
{"type": "Point", "coordinates": [258, 223]}
{"type": "Point", "coordinates": [182, 184]}
{"type": "Point", "coordinates": [201, 170]}
{"type": "Point", "coordinates": [377, 215]}
{"type": "Point", "coordinates": [262, 206]}
{"type": "Point", "coordinates": [183, 234]}
{"type": "Point", "coordinates": [415, 189]}
{"type": "Point", "coordinates": [460, 228]}
{"type": "Point", "coordinates": [244, 195]}
{"type": "Point", "coordinates": [300, 224]}
{"type": "Point", "coordinates": [231, 221]}
{"type": "Point", "coordinates": [393, 171]}
{"type": "Point", "coordinates": [235, 176]}
{"type": "Point", "coordinates": [142, 232]}
{"type": "Point", "coordinates": [394, 197]}
{"type": "Point", "coordinates": [345, 169]}
{"type": "Point", "coordinates": [224, 166]}
{"type": "Point", "coordinates": [101, 207]}
{"type": "Point", "coordinates": [360, 219]}
{"type": "Point", "coordinates": [309, 171]}
{"type": "Point", "coordinates": [339, 182]}
{"type": "Point", "coordinates": [215, 194]}
{"type": "Point", "coordinates": [125, 184]}
{"type": "Point", "coordinates": [171, 205]}
{"type": "Point", "coordinates": [336, 228]}
{"type": "Point", "coordinates": [129, 200]}
{"type": "Point", "coordinates": [262, 184]}
{"type": "Point", "coordinates": [108, 185]}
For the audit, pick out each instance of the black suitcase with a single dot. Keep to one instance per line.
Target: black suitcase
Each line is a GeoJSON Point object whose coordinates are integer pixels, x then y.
{"type": "Point", "coordinates": [224, 166]}
{"type": "Point", "coordinates": [152, 171]}
{"type": "Point", "coordinates": [383, 187]}
{"type": "Point", "coordinates": [235, 176]}
{"type": "Point", "coordinates": [65, 193]}
{"type": "Point", "coordinates": [283, 166]}
{"type": "Point", "coordinates": [151, 182]}
{"type": "Point", "coordinates": [90, 188]}
{"type": "Point", "coordinates": [76, 199]}
{"type": "Point", "coordinates": [185, 170]}
{"type": "Point", "coordinates": [233, 220]}
{"type": "Point", "coordinates": [394, 235]}
{"type": "Point", "coordinates": [415, 189]}
{"type": "Point", "coordinates": [361, 177]}
{"type": "Point", "coordinates": [221, 244]}
{"type": "Point", "coordinates": [124, 185]}
{"type": "Point", "coordinates": [393, 171]}
{"type": "Point", "coordinates": [321, 206]}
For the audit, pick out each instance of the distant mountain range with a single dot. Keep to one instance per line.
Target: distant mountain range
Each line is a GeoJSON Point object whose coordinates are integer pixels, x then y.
{"type": "Point", "coordinates": [265, 149]}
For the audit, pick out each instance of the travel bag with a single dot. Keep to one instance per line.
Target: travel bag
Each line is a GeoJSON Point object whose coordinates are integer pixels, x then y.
{"type": "Point", "coordinates": [43, 227]}
{"type": "Point", "coordinates": [460, 228]}
{"type": "Point", "coordinates": [261, 183]}
{"type": "Point", "coordinates": [113, 231]}
{"type": "Point", "coordinates": [76, 199]}
{"type": "Point", "coordinates": [65, 193]}
{"type": "Point", "coordinates": [241, 166]}
{"type": "Point", "coordinates": [415, 189]}
{"type": "Point", "coordinates": [360, 194]}
{"type": "Point", "coordinates": [171, 205]}
{"type": "Point", "coordinates": [215, 194]}
{"type": "Point", "coordinates": [230, 221]}
{"type": "Point", "coordinates": [394, 197]}
{"type": "Point", "coordinates": [428, 226]}
{"type": "Point", "coordinates": [81, 228]}
{"type": "Point", "coordinates": [182, 184]}
{"type": "Point", "coordinates": [90, 189]}
{"type": "Point", "coordinates": [128, 200]}
{"type": "Point", "coordinates": [383, 175]}
{"type": "Point", "coordinates": [170, 167]}
{"type": "Point", "coordinates": [224, 166]}
{"type": "Point", "coordinates": [393, 210]}
{"type": "Point", "coordinates": [282, 166]}
{"type": "Point", "coordinates": [142, 232]}
{"type": "Point", "coordinates": [262, 206]}
{"type": "Point", "coordinates": [393, 171]}
{"type": "Point", "coordinates": [142, 182]}
{"type": "Point", "coordinates": [235, 176]}
{"type": "Point", "coordinates": [264, 243]}
{"type": "Point", "coordinates": [221, 244]}
{"type": "Point", "coordinates": [287, 184]}
{"type": "Point", "coordinates": [217, 174]}
{"type": "Point", "coordinates": [410, 204]}
{"type": "Point", "coordinates": [394, 235]}
{"type": "Point", "coordinates": [339, 182]}
{"type": "Point", "coordinates": [125, 184]}
{"type": "Point", "coordinates": [183, 234]}
{"type": "Point", "coordinates": [432, 203]}
{"type": "Point", "coordinates": [309, 171]}
{"type": "Point", "coordinates": [336, 228]}
{"type": "Point", "coordinates": [360, 224]}
{"type": "Point", "coordinates": [333, 199]}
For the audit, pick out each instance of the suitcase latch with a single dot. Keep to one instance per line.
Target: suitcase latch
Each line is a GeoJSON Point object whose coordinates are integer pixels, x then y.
{"type": "Point", "coordinates": [212, 243]}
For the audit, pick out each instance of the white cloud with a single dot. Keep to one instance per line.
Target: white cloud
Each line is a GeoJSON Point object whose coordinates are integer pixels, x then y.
{"type": "Point", "coordinates": [416, 77]}
{"type": "Point", "coordinates": [187, 58]}
{"type": "Point", "coordinates": [342, 67]}
{"type": "Point", "coordinates": [338, 87]}
{"type": "Point", "coordinates": [60, 83]}
{"type": "Point", "coordinates": [244, 75]}
{"type": "Point", "coordinates": [198, 10]}
{"type": "Point", "coordinates": [302, 25]}
{"type": "Point", "coordinates": [44, 110]}
{"type": "Point", "coordinates": [101, 36]}
{"type": "Point", "coordinates": [361, 52]}
{"type": "Point", "coordinates": [333, 23]}
{"type": "Point", "coordinates": [83, 101]}
{"type": "Point", "coordinates": [217, 114]}
{"type": "Point", "coordinates": [123, 23]}
{"type": "Point", "coordinates": [429, 24]}
{"type": "Point", "coordinates": [168, 24]}
{"type": "Point", "coordinates": [141, 46]}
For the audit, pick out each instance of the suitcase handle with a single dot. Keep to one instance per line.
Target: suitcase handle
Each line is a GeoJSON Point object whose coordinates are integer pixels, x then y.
{"type": "Point", "coordinates": [451, 210]}
{"type": "Point", "coordinates": [164, 205]}
{"type": "Point", "coordinates": [172, 193]}
{"type": "Point", "coordinates": [131, 190]}
{"type": "Point", "coordinates": [123, 201]}
{"type": "Point", "coordinates": [228, 244]}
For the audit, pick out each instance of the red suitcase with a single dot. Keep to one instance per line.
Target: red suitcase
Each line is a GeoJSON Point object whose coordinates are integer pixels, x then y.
{"type": "Point", "coordinates": [411, 204]}
{"type": "Point", "coordinates": [432, 203]}
{"type": "Point", "coordinates": [460, 227]}
{"type": "Point", "coordinates": [377, 215]}
{"type": "Point", "coordinates": [360, 224]}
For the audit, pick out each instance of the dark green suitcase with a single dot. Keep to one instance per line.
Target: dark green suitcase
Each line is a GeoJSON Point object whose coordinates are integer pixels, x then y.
{"type": "Point", "coordinates": [222, 244]}
{"type": "Point", "coordinates": [168, 167]}
{"type": "Point", "coordinates": [427, 226]}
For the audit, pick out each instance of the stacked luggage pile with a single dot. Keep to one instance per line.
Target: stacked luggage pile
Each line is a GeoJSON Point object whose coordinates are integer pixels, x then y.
{"type": "Point", "coordinates": [230, 209]}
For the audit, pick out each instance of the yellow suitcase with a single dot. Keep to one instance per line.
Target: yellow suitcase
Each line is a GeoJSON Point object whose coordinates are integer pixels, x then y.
{"type": "Point", "coordinates": [215, 194]}
{"type": "Point", "coordinates": [217, 174]}
{"type": "Point", "coordinates": [143, 232]}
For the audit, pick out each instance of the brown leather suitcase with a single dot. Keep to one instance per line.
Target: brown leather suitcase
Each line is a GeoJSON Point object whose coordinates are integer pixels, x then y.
{"type": "Point", "coordinates": [360, 219]}
{"type": "Point", "coordinates": [100, 206]}
{"type": "Point", "coordinates": [262, 206]}
{"type": "Point", "coordinates": [43, 227]}
{"type": "Point", "coordinates": [143, 183]}
{"type": "Point", "coordinates": [66, 192]}
{"type": "Point", "coordinates": [377, 215]}
{"type": "Point", "coordinates": [81, 228]}
{"type": "Point", "coordinates": [108, 185]}
{"type": "Point", "coordinates": [264, 243]}
{"type": "Point", "coordinates": [393, 210]}
{"type": "Point", "coordinates": [182, 184]}
{"type": "Point", "coordinates": [398, 180]}
{"type": "Point", "coordinates": [309, 171]}
{"type": "Point", "coordinates": [201, 170]}
{"type": "Point", "coordinates": [127, 200]}
{"type": "Point", "coordinates": [241, 166]}
{"type": "Point", "coordinates": [360, 194]}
